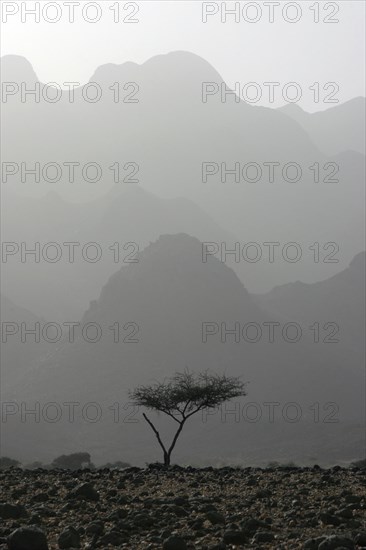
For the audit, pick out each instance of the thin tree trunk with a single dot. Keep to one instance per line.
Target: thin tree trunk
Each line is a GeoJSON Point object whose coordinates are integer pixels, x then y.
{"type": "Point", "coordinates": [165, 453]}
{"type": "Point", "coordinates": [175, 439]}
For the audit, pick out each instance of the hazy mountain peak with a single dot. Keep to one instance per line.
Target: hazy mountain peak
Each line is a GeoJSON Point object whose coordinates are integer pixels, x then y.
{"type": "Point", "coordinates": [130, 189]}
{"type": "Point", "coordinates": [110, 71]}
{"type": "Point", "coordinates": [16, 68]}
{"type": "Point", "coordinates": [52, 197]}
{"type": "Point", "coordinates": [181, 57]}
{"type": "Point", "coordinates": [180, 68]}
{"type": "Point", "coordinates": [358, 262]}
{"type": "Point", "coordinates": [336, 128]}
{"type": "Point", "coordinates": [292, 109]}
{"type": "Point", "coordinates": [170, 263]}
{"type": "Point", "coordinates": [11, 311]}
{"type": "Point", "coordinates": [167, 248]}
{"type": "Point", "coordinates": [178, 246]}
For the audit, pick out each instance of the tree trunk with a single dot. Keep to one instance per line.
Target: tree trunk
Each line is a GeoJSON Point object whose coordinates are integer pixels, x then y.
{"type": "Point", "coordinates": [166, 453]}
{"type": "Point", "coordinates": [181, 424]}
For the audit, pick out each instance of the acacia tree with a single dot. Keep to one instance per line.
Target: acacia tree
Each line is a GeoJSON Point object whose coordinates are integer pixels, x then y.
{"type": "Point", "coordinates": [184, 395]}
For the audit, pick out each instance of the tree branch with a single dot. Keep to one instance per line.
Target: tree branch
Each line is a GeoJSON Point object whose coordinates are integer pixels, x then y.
{"type": "Point", "coordinates": [155, 432]}
{"type": "Point", "coordinates": [171, 415]}
{"type": "Point", "coordinates": [176, 437]}
{"type": "Point", "coordinates": [196, 410]}
{"type": "Point", "coordinates": [185, 407]}
{"type": "Point", "coordinates": [184, 395]}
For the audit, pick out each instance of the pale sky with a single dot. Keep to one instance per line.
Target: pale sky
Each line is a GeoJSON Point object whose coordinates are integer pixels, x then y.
{"type": "Point", "coordinates": [304, 52]}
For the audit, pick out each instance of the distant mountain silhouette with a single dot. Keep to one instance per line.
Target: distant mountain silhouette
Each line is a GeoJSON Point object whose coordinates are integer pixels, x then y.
{"type": "Point", "coordinates": [334, 130]}
{"type": "Point", "coordinates": [18, 358]}
{"type": "Point", "coordinates": [17, 68]}
{"type": "Point", "coordinates": [170, 132]}
{"type": "Point", "coordinates": [169, 294]}
{"type": "Point", "coordinates": [340, 298]}
{"type": "Point", "coordinates": [163, 299]}
{"type": "Point", "coordinates": [127, 213]}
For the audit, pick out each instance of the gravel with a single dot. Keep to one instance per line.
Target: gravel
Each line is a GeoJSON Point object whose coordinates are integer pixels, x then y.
{"type": "Point", "coordinates": [284, 508]}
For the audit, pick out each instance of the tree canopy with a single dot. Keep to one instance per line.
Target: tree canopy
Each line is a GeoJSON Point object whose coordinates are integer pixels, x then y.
{"type": "Point", "coordinates": [183, 395]}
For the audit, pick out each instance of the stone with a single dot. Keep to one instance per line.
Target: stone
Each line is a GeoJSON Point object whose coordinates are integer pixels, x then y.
{"type": "Point", "coordinates": [95, 528]}
{"type": "Point", "coordinates": [27, 538]}
{"type": "Point", "coordinates": [336, 541]}
{"type": "Point", "coordinates": [174, 543]}
{"type": "Point", "coordinates": [180, 501]}
{"type": "Point", "coordinates": [345, 513]}
{"type": "Point", "coordinates": [313, 544]}
{"type": "Point", "coordinates": [234, 537]}
{"type": "Point", "coordinates": [12, 511]}
{"type": "Point", "coordinates": [69, 538]}
{"type": "Point", "coordinates": [86, 491]}
{"type": "Point", "coordinates": [329, 519]}
{"type": "Point", "coordinates": [215, 517]}
{"type": "Point", "coordinates": [360, 539]}
{"type": "Point", "coordinates": [263, 536]}
{"type": "Point", "coordinates": [40, 497]}
{"type": "Point", "coordinates": [351, 499]}
{"type": "Point", "coordinates": [263, 493]}
{"type": "Point", "coordinates": [251, 525]}
{"type": "Point", "coordinates": [112, 537]}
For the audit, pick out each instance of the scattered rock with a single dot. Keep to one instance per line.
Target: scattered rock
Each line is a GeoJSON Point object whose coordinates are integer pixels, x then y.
{"type": "Point", "coordinates": [86, 491]}
{"type": "Point", "coordinates": [360, 539]}
{"type": "Point", "coordinates": [263, 536]}
{"type": "Point", "coordinates": [69, 538]}
{"type": "Point", "coordinates": [335, 542]}
{"type": "Point", "coordinates": [313, 544]}
{"type": "Point", "coordinates": [329, 519]}
{"type": "Point", "coordinates": [175, 543]}
{"type": "Point", "coordinates": [12, 511]}
{"type": "Point", "coordinates": [345, 513]}
{"type": "Point", "coordinates": [40, 497]}
{"type": "Point", "coordinates": [234, 537]}
{"type": "Point", "coordinates": [95, 528]}
{"type": "Point", "coordinates": [215, 517]}
{"type": "Point", "coordinates": [176, 508]}
{"type": "Point", "coordinates": [27, 538]}
{"type": "Point", "coordinates": [112, 537]}
{"type": "Point", "coordinates": [180, 501]}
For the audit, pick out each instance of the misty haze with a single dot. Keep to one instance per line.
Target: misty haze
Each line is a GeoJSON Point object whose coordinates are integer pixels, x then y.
{"type": "Point", "coordinates": [183, 278]}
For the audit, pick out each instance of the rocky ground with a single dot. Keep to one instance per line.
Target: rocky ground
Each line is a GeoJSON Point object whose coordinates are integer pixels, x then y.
{"type": "Point", "coordinates": [184, 508]}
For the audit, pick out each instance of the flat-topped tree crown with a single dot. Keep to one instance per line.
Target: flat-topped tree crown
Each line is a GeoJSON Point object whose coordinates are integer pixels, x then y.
{"type": "Point", "coordinates": [184, 395]}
